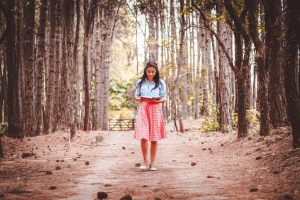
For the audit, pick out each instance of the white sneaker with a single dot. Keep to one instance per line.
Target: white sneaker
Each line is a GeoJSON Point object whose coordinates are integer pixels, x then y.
{"type": "Point", "coordinates": [143, 166]}
{"type": "Point", "coordinates": [151, 168]}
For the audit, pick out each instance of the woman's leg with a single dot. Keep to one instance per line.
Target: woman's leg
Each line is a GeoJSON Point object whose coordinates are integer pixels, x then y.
{"type": "Point", "coordinates": [144, 147]}
{"type": "Point", "coordinates": [153, 152]}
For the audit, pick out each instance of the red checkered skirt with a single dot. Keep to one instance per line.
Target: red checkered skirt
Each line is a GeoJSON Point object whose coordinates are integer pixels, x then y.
{"type": "Point", "coordinates": [150, 123]}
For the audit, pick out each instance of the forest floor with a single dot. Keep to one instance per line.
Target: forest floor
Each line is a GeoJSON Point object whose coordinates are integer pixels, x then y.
{"type": "Point", "coordinates": [193, 165]}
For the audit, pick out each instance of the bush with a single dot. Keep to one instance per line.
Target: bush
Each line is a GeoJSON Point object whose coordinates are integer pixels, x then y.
{"type": "Point", "coordinates": [3, 129]}
{"type": "Point", "coordinates": [252, 118]}
{"type": "Point", "coordinates": [211, 123]}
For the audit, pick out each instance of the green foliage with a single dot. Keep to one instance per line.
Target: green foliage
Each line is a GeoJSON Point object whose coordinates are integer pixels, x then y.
{"type": "Point", "coordinates": [234, 119]}
{"type": "Point", "coordinates": [252, 116]}
{"type": "Point", "coordinates": [211, 123]}
{"type": "Point", "coordinates": [121, 104]}
{"type": "Point", "coordinates": [3, 129]}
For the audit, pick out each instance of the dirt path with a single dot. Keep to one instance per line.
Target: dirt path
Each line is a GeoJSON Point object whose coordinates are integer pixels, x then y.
{"type": "Point", "coordinates": [176, 178]}
{"type": "Point", "coordinates": [224, 169]}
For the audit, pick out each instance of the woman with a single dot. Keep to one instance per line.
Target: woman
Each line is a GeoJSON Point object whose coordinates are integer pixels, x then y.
{"type": "Point", "coordinates": [150, 92]}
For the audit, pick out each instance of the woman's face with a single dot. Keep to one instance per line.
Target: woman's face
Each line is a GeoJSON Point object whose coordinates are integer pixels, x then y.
{"type": "Point", "coordinates": [151, 71]}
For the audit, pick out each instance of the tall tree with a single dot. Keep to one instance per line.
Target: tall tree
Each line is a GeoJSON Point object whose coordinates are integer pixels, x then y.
{"type": "Point", "coordinates": [292, 44]}
{"type": "Point", "coordinates": [13, 101]}
{"type": "Point", "coordinates": [242, 70]}
{"type": "Point", "coordinates": [242, 56]}
{"type": "Point", "coordinates": [273, 21]}
{"type": "Point", "coordinates": [40, 66]}
{"type": "Point", "coordinates": [75, 75]}
{"type": "Point", "coordinates": [225, 34]}
{"type": "Point", "coordinates": [182, 72]}
{"type": "Point", "coordinates": [49, 108]}
{"type": "Point", "coordinates": [58, 51]}
{"type": "Point", "coordinates": [70, 74]}
{"type": "Point", "coordinates": [28, 57]}
{"type": "Point", "coordinates": [262, 68]}
{"type": "Point", "coordinates": [89, 14]}
{"type": "Point", "coordinates": [174, 88]}
{"type": "Point", "coordinates": [206, 64]}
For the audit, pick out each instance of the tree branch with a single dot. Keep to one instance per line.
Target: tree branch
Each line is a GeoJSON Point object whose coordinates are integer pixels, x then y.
{"type": "Point", "coordinates": [220, 42]}
{"type": "Point", "coordinates": [237, 21]}
{"type": "Point", "coordinates": [253, 8]}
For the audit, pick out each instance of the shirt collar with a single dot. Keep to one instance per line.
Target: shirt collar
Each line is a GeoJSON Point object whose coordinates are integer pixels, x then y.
{"type": "Point", "coordinates": [149, 82]}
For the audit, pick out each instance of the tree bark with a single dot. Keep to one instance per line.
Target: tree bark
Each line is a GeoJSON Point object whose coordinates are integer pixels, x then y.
{"type": "Point", "coordinates": [13, 100]}
{"type": "Point", "coordinates": [173, 44]}
{"type": "Point", "coordinates": [58, 103]}
{"type": "Point", "coordinates": [28, 57]}
{"type": "Point", "coordinates": [51, 71]}
{"type": "Point", "coordinates": [205, 71]}
{"type": "Point", "coordinates": [40, 67]}
{"type": "Point", "coordinates": [75, 76]}
{"type": "Point", "coordinates": [224, 77]}
{"type": "Point", "coordinates": [242, 74]}
{"type": "Point", "coordinates": [1, 149]}
{"type": "Point", "coordinates": [262, 68]}
{"type": "Point", "coordinates": [292, 31]}
{"type": "Point", "coordinates": [182, 62]}
{"type": "Point", "coordinates": [273, 29]}
{"type": "Point", "coordinates": [152, 37]}
{"type": "Point", "coordinates": [98, 52]}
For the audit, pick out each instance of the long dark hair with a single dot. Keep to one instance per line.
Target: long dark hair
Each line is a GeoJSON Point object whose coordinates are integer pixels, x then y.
{"type": "Point", "coordinates": [156, 78]}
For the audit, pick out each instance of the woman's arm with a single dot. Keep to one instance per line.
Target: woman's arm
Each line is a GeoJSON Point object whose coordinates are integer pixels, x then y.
{"type": "Point", "coordinates": [137, 94]}
{"type": "Point", "coordinates": [162, 92]}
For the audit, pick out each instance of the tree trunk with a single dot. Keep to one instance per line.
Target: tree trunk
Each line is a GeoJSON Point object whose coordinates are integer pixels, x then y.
{"type": "Point", "coordinates": [40, 67]}
{"type": "Point", "coordinates": [242, 107]}
{"type": "Point", "coordinates": [273, 62]}
{"type": "Point", "coordinates": [58, 103]}
{"type": "Point", "coordinates": [63, 95]}
{"type": "Point", "coordinates": [152, 39]}
{"type": "Point", "coordinates": [51, 72]}
{"type": "Point", "coordinates": [98, 51]}
{"type": "Point", "coordinates": [1, 149]}
{"type": "Point", "coordinates": [262, 68]}
{"type": "Point", "coordinates": [70, 72]}
{"type": "Point", "coordinates": [28, 57]}
{"type": "Point", "coordinates": [172, 60]}
{"type": "Point", "coordinates": [109, 24]}
{"type": "Point", "coordinates": [86, 85]}
{"type": "Point", "coordinates": [204, 72]}
{"type": "Point", "coordinates": [13, 100]}
{"type": "Point", "coordinates": [292, 17]}
{"type": "Point", "coordinates": [75, 76]}
{"type": "Point", "coordinates": [216, 74]}
{"type": "Point", "coordinates": [242, 90]}
{"type": "Point", "coordinates": [2, 87]}
{"type": "Point", "coordinates": [86, 82]}
{"type": "Point", "coordinates": [224, 77]}
{"type": "Point", "coordinates": [197, 83]}
{"type": "Point", "coordinates": [182, 62]}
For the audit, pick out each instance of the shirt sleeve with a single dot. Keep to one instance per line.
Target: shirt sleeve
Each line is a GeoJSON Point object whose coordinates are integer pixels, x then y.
{"type": "Point", "coordinates": [137, 93]}
{"type": "Point", "coordinates": [163, 90]}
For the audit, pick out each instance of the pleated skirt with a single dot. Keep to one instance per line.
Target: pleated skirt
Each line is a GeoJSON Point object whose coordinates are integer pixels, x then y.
{"type": "Point", "coordinates": [150, 123]}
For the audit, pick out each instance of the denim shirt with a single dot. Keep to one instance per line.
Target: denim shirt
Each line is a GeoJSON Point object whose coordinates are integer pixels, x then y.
{"type": "Point", "coordinates": [146, 90]}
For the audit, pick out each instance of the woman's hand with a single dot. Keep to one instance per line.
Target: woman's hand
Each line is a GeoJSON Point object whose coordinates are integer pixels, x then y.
{"type": "Point", "coordinates": [158, 100]}
{"type": "Point", "coordinates": [139, 99]}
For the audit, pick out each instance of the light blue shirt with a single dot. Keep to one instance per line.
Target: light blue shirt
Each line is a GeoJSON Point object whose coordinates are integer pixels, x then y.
{"type": "Point", "coordinates": [146, 89]}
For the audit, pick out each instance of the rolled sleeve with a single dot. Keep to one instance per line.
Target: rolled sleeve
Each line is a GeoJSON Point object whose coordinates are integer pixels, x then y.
{"type": "Point", "coordinates": [163, 90]}
{"type": "Point", "coordinates": [137, 93]}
